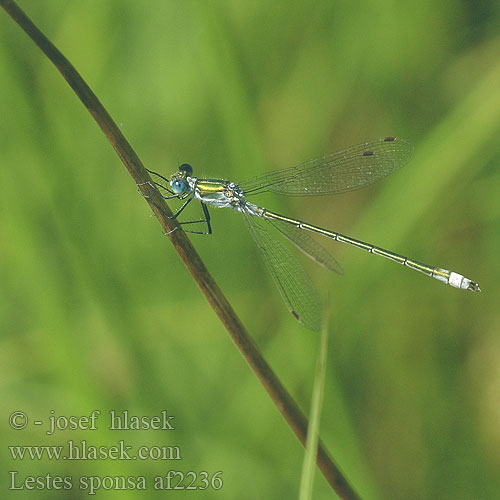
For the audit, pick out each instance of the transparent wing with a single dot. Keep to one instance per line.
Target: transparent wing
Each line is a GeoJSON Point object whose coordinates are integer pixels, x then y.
{"type": "Point", "coordinates": [293, 282]}
{"type": "Point", "coordinates": [308, 245]}
{"type": "Point", "coordinates": [339, 172]}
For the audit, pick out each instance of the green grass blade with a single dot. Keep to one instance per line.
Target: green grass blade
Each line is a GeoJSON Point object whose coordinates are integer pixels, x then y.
{"type": "Point", "coordinates": [309, 464]}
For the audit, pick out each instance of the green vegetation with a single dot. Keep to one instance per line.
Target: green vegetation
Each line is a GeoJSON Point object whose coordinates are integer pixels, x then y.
{"type": "Point", "coordinates": [98, 312]}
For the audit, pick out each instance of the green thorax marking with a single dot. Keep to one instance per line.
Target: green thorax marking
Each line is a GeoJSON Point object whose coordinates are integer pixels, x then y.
{"type": "Point", "coordinates": [210, 186]}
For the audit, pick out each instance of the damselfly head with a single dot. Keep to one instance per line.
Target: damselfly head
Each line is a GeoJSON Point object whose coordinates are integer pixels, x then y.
{"type": "Point", "coordinates": [178, 184]}
{"type": "Point", "coordinates": [178, 181]}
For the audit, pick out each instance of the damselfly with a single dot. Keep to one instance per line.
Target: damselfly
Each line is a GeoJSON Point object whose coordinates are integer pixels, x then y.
{"type": "Point", "coordinates": [334, 173]}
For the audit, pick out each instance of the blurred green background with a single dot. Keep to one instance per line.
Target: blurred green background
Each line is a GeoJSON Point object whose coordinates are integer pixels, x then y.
{"type": "Point", "coordinates": [98, 312]}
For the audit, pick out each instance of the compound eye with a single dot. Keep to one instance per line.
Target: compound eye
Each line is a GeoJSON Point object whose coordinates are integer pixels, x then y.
{"type": "Point", "coordinates": [178, 186]}
{"type": "Point", "coordinates": [186, 168]}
